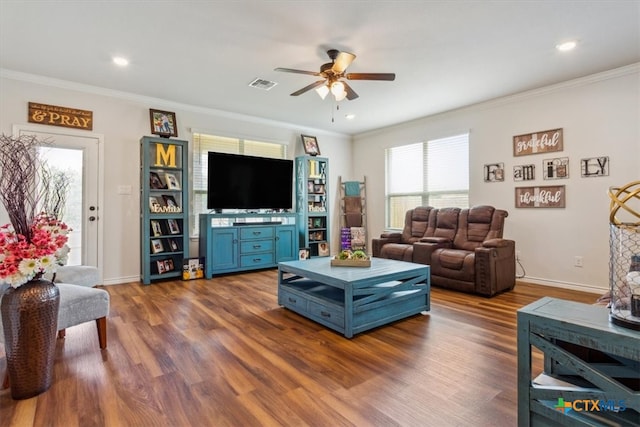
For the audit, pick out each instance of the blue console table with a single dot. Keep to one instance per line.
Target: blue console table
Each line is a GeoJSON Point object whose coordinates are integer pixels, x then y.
{"type": "Point", "coordinates": [591, 367]}
{"type": "Point", "coordinates": [240, 242]}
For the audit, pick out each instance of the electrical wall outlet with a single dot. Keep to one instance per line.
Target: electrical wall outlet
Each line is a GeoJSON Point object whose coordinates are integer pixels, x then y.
{"type": "Point", "coordinates": [577, 261]}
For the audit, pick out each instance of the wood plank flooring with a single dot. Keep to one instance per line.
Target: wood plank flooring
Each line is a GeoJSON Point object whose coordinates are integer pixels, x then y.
{"type": "Point", "coordinates": [221, 352]}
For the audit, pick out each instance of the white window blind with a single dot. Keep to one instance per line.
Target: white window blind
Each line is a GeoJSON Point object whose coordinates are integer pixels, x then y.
{"type": "Point", "coordinates": [202, 144]}
{"type": "Point", "coordinates": [435, 173]}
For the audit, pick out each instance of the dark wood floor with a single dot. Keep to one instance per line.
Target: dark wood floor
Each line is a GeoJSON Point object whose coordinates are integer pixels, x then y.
{"type": "Point", "coordinates": [223, 353]}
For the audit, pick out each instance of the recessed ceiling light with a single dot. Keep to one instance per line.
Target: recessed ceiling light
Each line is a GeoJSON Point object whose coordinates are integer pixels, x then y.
{"type": "Point", "coordinates": [566, 46]}
{"type": "Point", "coordinates": [350, 116]}
{"type": "Point", "coordinates": [119, 60]}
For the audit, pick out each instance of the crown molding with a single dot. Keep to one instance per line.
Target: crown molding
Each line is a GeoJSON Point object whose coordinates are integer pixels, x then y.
{"type": "Point", "coordinates": [157, 102]}
{"type": "Point", "coordinates": [508, 99]}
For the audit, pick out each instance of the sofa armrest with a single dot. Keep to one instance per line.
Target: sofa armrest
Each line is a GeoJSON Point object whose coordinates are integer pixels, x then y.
{"type": "Point", "coordinates": [497, 243]}
{"type": "Point", "coordinates": [495, 264]}
{"type": "Point", "coordinates": [395, 236]}
{"type": "Point", "coordinates": [422, 250]}
{"type": "Point", "coordinates": [377, 244]}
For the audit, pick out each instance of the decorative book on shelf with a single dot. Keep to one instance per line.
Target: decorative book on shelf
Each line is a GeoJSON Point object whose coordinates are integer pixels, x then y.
{"type": "Point", "coordinates": [164, 203]}
{"type": "Point", "coordinates": [192, 268]}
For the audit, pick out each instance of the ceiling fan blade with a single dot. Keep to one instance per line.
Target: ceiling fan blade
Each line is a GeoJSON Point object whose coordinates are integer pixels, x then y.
{"type": "Point", "coordinates": [308, 88]}
{"type": "Point", "coordinates": [342, 61]}
{"type": "Point", "coordinates": [371, 76]}
{"type": "Point", "coordinates": [351, 94]}
{"type": "Point", "coordinates": [291, 70]}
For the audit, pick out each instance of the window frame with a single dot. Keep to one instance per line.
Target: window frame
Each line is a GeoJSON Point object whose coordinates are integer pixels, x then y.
{"type": "Point", "coordinates": [396, 207]}
{"type": "Point", "coordinates": [222, 144]}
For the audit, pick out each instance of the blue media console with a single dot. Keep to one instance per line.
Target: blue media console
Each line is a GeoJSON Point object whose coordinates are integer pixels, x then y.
{"type": "Point", "coordinates": [238, 242]}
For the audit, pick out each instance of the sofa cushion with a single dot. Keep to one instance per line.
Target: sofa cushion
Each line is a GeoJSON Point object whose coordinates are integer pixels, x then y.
{"type": "Point", "coordinates": [443, 223]}
{"type": "Point", "coordinates": [452, 259]}
{"type": "Point", "coordinates": [397, 251]}
{"type": "Point", "coordinates": [475, 225]}
{"type": "Point", "coordinates": [415, 224]}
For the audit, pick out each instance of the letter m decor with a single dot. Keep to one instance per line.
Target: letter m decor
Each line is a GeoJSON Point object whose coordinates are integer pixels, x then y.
{"type": "Point", "coordinates": [551, 196]}
{"type": "Point", "coordinates": [538, 142]}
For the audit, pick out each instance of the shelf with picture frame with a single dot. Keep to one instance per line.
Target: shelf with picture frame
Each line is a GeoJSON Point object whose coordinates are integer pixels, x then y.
{"type": "Point", "coordinates": [164, 212]}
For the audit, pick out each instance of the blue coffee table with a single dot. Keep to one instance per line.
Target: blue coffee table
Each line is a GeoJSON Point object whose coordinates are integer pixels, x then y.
{"type": "Point", "coordinates": [354, 299]}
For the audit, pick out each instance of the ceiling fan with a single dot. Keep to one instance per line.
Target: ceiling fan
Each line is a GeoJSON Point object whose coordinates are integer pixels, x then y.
{"type": "Point", "coordinates": [333, 73]}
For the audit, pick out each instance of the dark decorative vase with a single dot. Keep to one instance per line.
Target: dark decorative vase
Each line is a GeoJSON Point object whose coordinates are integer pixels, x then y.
{"type": "Point", "coordinates": [30, 323]}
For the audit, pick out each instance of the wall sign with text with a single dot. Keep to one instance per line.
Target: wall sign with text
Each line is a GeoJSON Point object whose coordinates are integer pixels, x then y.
{"type": "Point", "coordinates": [555, 168]}
{"type": "Point", "coordinates": [524, 173]}
{"type": "Point", "coordinates": [539, 142]}
{"type": "Point", "coordinates": [551, 196]}
{"type": "Point", "coordinates": [594, 167]}
{"type": "Point", "coordinates": [54, 115]}
{"type": "Point", "coordinates": [494, 172]}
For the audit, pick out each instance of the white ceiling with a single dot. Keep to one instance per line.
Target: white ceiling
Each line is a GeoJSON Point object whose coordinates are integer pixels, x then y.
{"type": "Point", "coordinates": [446, 54]}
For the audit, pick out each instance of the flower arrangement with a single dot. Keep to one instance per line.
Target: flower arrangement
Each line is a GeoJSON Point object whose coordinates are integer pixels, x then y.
{"type": "Point", "coordinates": [34, 243]}
{"type": "Point", "coordinates": [22, 260]}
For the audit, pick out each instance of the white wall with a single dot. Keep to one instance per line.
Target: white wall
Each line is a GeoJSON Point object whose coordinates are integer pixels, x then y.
{"type": "Point", "coordinates": [600, 116]}
{"type": "Point", "coordinates": [123, 119]}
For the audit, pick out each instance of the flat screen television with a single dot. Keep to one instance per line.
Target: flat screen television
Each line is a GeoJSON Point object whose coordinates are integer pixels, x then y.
{"type": "Point", "coordinates": [246, 182]}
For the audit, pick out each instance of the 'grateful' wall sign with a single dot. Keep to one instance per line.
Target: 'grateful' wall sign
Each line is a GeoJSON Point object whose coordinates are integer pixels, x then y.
{"type": "Point", "coordinates": [60, 116]}
{"type": "Point", "coordinates": [538, 142]}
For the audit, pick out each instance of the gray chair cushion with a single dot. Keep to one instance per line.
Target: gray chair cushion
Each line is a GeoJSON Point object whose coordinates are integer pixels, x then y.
{"type": "Point", "coordinates": [81, 275]}
{"type": "Point", "coordinates": [78, 304]}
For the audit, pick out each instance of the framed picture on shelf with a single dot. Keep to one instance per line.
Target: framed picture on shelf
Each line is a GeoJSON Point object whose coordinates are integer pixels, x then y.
{"type": "Point", "coordinates": [163, 123]}
{"type": "Point", "coordinates": [154, 204]}
{"type": "Point", "coordinates": [304, 253]}
{"type": "Point", "coordinates": [154, 181]}
{"type": "Point", "coordinates": [310, 144]}
{"type": "Point", "coordinates": [161, 267]}
{"type": "Point", "coordinates": [323, 249]}
{"type": "Point", "coordinates": [168, 265]}
{"type": "Point", "coordinates": [157, 246]}
{"type": "Point", "coordinates": [171, 204]}
{"type": "Point", "coordinates": [174, 245]}
{"type": "Point", "coordinates": [174, 227]}
{"type": "Point", "coordinates": [172, 181]}
{"type": "Point", "coordinates": [156, 229]}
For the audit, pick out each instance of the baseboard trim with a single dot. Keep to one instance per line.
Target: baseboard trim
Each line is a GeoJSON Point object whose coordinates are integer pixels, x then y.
{"type": "Point", "coordinates": [121, 280]}
{"type": "Point", "coordinates": [564, 285]}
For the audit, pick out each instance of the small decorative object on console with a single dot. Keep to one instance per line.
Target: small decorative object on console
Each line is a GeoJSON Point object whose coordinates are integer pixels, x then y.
{"type": "Point", "coordinates": [348, 258]}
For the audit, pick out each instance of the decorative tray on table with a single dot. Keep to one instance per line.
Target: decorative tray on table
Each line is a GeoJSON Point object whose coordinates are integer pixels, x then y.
{"type": "Point", "coordinates": [348, 258]}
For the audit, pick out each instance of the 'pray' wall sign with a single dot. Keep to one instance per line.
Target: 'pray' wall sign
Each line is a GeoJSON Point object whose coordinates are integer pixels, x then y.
{"type": "Point", "coordinates": [60, 116]}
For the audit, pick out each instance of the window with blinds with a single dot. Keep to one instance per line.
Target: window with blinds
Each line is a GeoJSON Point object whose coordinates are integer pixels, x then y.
{"type": "Point", "coordinates": [433, 173]}
{"type": "Point", "coordinates": [203, 143]}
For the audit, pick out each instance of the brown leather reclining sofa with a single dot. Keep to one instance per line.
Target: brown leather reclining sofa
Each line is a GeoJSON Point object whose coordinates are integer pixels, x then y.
{"type": "Point", "coordinates": [464, 247]}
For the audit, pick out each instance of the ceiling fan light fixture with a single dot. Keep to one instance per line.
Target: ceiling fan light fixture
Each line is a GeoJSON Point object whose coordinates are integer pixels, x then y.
{"type": "Point", "coordinates": [323, 91]}
{"type": "Point", "coordinates": [340, 96]}
{"type": "Point", "coordinates": [337, 88]}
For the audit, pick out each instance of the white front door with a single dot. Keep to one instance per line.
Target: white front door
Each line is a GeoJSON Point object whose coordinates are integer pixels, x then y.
{"type": "Point", "coordinates": [77, 154]}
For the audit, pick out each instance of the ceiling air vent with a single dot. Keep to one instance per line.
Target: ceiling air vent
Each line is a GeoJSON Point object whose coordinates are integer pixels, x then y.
{"type": "Point", "coordinates": [262, 84]}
